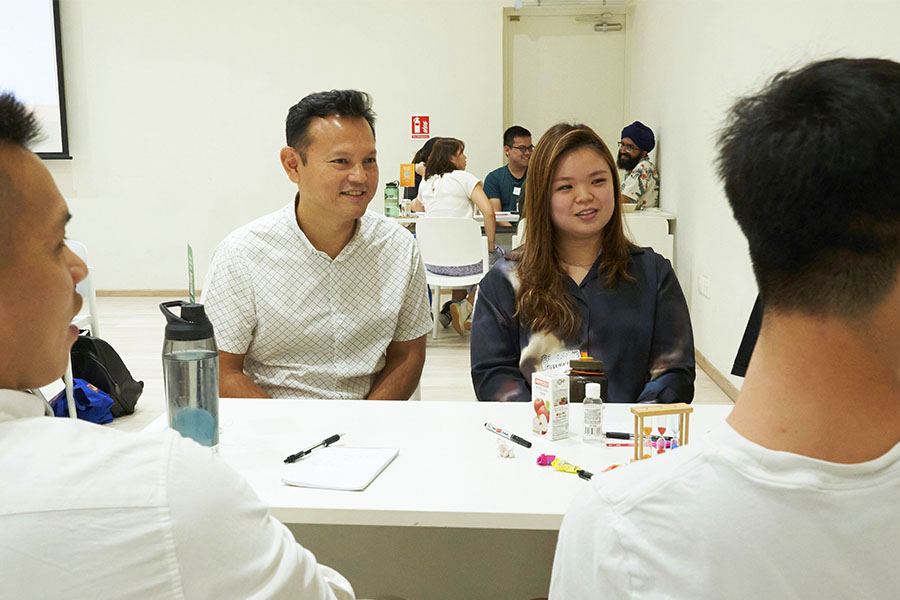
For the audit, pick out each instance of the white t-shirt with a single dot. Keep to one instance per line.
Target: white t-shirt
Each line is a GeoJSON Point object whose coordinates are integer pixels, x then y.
{"type": "Point", "coordinates": [310, 326]}
{"type": "Point", "coordinates": [726, 518]}
{"type": "Point", "coordinates": [448, 195]}
{"type": "Point", "coordinates": [92, 512]}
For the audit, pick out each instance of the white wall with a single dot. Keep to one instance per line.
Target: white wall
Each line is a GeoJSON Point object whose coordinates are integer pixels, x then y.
{"type": "Point", "coordinates": [692, 59]}
{"type": "Point", "coordinates": [176, 113]}
{"type": "Point", "coordinates": [176, 110]}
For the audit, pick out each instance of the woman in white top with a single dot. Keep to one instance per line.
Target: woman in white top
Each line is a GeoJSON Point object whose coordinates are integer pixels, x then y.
{"type": "Point", "coordinates": [448, 190]}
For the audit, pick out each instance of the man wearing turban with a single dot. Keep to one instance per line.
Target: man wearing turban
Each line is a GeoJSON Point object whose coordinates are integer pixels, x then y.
{"type": "Point", "coordinates": [641, 182]}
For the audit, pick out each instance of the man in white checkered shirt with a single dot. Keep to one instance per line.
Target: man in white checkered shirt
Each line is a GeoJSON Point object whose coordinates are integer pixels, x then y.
{"type": "Point", "coordinates": [321, 299]}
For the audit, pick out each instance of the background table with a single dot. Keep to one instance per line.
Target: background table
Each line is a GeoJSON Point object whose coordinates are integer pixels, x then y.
{"type": "Point", "coordinates": [504, 217]}
{"type": "Point", "coordinates": [448, 518]}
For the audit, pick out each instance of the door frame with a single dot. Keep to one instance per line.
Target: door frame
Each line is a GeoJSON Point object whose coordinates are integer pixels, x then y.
{"type": "Point", "coordinates": [623, 12]}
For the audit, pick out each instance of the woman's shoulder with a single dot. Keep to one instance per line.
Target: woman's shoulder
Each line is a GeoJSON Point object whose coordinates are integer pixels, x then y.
{"type": "Point", "coordinates": [461, 175]}
{"type": "Point", "coordinates": [647, 261]}
{"type": "Point", "coordinates": [502, 276]}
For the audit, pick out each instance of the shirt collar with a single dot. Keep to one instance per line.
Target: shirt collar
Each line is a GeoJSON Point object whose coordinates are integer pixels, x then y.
{"type": "Point", "coordinates": [524, 173]}
{"type": "Point", "coordinates": [290, 212]}
{"type": "Point", "coordinates": [20, 405]}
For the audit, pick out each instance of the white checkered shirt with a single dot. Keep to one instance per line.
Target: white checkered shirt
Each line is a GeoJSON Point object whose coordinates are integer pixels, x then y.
{"type": "Point", "coordinates": [312, 327]}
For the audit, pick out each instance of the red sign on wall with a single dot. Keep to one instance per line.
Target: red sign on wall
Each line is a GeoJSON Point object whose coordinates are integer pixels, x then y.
{"type": "Point", "coordinates": [420, 128]}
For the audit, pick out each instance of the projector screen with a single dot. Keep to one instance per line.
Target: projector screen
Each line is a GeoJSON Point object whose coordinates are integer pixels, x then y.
{"type": "Point", "coordinates": [31, 68]}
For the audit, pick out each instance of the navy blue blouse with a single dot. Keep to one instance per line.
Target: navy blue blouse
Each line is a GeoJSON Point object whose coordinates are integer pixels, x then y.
{"type": "Point", "coordinates": [640, 329]}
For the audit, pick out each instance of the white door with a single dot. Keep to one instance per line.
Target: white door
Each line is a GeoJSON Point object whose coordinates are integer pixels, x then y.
{"type": "Point", "coordinates": [563, 69]}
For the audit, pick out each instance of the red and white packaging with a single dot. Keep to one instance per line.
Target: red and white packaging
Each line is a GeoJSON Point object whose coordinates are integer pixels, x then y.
{"type": "Point", "coordinates": [550, 399]}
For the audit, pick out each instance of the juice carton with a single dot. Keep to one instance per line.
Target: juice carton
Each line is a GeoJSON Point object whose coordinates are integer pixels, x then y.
{"type": "Point", "coordinates": [550, 398]}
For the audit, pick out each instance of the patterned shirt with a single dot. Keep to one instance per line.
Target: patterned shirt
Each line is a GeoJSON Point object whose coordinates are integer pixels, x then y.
{"type": "Point", "coordinates": [641, 330]}
{"type": "Point", "coordinates": [642, 185]}
{"type": "Point", "coordinates": [310, 326]}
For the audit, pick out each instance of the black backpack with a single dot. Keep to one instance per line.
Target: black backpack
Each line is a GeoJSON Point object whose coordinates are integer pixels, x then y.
{"type": "Point", "coordinates": [95, 361]}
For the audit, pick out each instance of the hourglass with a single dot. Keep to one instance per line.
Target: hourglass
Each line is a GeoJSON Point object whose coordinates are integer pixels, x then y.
{"type": "Point", "coordinates": [643, 424]}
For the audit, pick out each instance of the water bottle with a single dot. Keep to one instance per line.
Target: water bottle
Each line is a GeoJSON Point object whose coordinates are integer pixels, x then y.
{"type": "Point", "coordinates": [191, 373]}
{"type": "Point", "coordinates": [593, 414]}
{"type": "Point", "coordinates": [392, 199]}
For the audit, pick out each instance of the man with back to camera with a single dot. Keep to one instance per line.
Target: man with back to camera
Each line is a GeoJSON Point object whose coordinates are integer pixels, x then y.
{"type": "Point", "coordinates": [640, 184]}
{"type": "Point", "coordinates": [87, 511]}
{"type": "Point", "coordinates": [505, 185]}
{"type": "Point", "coordinates": [796, 495]}
{"type": "Point", "coordinates": [321, 299]}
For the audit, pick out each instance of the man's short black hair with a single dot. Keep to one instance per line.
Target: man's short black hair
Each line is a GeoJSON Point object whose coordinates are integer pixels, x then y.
{"type": "Point", "coordinates": [341, 103]}
{"type": "Point", "coordinates": [810, 170]}
{"type": "Point", "coordinates": [510, 135]}
{"type": "Point", "coordinates": [17, 124]}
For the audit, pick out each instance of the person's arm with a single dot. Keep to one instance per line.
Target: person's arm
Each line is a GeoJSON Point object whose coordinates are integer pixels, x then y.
{"type": "Point", "coordinates": [417, 205]}
{"type": "Point", "coordinates": [405, 354]}
{"type": "Point", "coordinates": [230, 301]}
{"type": "Point", "coordinates": [402, 370]}
{"type": "Point", "coordinates": [487, 210]}
{"type": "Point", "coordinates": [233, 382]}
{"type": "Point", "coordinates": [494, 344]}
{"type": "Point", "coordinates": [226, 542]}
{"type": "Point", "coordinates": [672, 368]}
{"type": "Point", "coordinates": [492, 191]}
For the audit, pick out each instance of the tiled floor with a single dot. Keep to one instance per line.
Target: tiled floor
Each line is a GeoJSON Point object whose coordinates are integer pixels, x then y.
{"type": "Point", "coordinates": [134, 327]}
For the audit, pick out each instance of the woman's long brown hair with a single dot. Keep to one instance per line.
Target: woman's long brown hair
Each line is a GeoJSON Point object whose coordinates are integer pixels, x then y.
{"type": "Point", "coordinates": [439, 161]}
{"type": "Point", "coordinates": [542, 302]}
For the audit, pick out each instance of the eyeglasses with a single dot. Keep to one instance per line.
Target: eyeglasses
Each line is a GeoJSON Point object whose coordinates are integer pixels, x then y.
{"type": "Point", "coordinates": [524, 149]}
{"type": "Point", "coordinates": [628, 147]}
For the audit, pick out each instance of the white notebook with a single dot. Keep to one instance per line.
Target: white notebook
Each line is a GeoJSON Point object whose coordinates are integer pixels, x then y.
{"type": "Point", "coordinates": [339, 467]}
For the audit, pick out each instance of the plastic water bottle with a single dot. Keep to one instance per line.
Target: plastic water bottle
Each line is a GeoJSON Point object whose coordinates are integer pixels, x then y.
{"type": "Point", "coordinates": [392, 199]}
{"type": "Point", "coordinates": [593, 414]}
{"type": "Point", "coordinates": [191, 373]}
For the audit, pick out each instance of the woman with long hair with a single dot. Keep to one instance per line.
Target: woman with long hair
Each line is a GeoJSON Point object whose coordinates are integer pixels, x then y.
{"type": "Point", "coordinates": [448, 190]}
{"type": "Point", "coordinates": [578, 285]}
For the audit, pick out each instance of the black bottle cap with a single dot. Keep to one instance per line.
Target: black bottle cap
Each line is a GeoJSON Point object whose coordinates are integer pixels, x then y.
{"type": "Point", "coordinates": [193, 324]}
{"type": "Point", "coordinates": [586, 364]}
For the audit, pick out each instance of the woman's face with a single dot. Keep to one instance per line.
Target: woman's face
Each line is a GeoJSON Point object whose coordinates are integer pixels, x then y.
{"type": "Point", "coordinates": [582, 198]}
{"type": "Point", "coordinates": [459, 160]}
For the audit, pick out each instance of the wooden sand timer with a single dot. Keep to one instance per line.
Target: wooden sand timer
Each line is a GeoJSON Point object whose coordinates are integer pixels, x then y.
{"type": "Point", "coordinates": [657, 410]}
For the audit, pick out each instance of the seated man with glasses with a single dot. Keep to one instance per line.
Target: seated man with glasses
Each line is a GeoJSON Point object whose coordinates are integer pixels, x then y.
{"type": "Point", "coordinates": [640, 184]}
{"type": "Point", "coordinates": [506, 185]}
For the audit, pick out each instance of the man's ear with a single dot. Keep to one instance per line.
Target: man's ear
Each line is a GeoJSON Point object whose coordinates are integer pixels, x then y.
{"type": "Point", "coordinates": [290, 161]}
{"type": "Point", "coordinates": [506, 151]}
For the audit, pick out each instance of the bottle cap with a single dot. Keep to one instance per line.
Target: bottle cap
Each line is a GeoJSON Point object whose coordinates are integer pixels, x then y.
{"type": "Point", "coordinates": [592, 390]}
{"type": "Point", "coordinates": [586, 364]}
{"type": "Point", "coordinates": [193, 324]}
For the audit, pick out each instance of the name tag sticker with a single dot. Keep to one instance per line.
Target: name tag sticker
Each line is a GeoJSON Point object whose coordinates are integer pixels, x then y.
{"type": "Point", "coordinates": [517, 191]}
{"type": "Point", "coordinates": [558, 360]}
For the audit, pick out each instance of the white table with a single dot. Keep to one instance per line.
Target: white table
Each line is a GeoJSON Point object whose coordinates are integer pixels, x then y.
{"type": "Point", "coordinates": [447, 474]}
{"type": "Point", "coordinates": [448, 518]}
{"type": "Point", "coordinates": [502, 217]}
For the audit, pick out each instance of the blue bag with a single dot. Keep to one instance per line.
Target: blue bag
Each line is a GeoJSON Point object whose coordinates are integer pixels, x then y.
{"type": "Point", "coordinates": [91, 404]}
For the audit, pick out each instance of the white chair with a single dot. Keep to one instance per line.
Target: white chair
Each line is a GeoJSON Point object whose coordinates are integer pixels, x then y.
{"type": "Point", "coordinates": [85, 319]}
{"type": "Point", "coordinates": [450, 242]}
{"type": "Point", "coordinates": [651, 230]}
{"type": "Point", "coordinates": [519, 236]}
